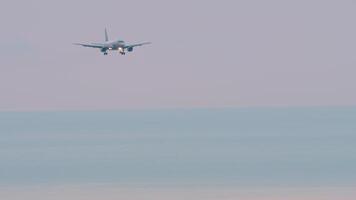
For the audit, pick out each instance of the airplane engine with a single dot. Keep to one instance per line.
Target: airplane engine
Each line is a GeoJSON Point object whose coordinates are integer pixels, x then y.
{"type": "Point", "coordinates": [130, 49]}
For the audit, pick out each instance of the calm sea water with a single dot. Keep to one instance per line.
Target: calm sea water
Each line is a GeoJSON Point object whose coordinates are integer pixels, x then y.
{"type": "Point", "coordinates": [248, 146]}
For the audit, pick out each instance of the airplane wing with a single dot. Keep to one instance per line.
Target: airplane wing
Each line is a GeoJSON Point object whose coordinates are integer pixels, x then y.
{"type": "Point", "coordinates": [136, 45]}
{"type": "Point", "coordinates": [91, 45]}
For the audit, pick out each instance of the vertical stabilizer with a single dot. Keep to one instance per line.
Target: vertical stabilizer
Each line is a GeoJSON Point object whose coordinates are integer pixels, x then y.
{"type": "Point", "coordinates": [106, 36]}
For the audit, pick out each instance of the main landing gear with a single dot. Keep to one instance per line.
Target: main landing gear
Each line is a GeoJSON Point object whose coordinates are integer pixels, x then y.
{"type": "Point", "coordinates": [105, 53]}
{"type": "Point", "coordinates": [121, 50]}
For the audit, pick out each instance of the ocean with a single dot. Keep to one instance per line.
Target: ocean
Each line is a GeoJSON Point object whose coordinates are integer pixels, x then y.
{"type": "Point", "coordinates": [244, 147]}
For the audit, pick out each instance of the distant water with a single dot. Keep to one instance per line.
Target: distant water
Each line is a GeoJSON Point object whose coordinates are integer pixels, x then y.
{"type": "Point", "coordinates": [247, 147]}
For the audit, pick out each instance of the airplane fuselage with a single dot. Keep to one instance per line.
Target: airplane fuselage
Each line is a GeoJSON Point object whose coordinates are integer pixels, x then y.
{"type": "Point", "coordinates": [118, 45]}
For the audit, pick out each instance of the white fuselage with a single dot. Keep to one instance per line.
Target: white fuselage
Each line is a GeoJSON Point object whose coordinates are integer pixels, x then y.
{"type": "Point", "coordinates": [112, 45]}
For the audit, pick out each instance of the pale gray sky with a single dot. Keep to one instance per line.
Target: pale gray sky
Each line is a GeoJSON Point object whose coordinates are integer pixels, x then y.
{"type": "Point", "coordinates": [204, 53]}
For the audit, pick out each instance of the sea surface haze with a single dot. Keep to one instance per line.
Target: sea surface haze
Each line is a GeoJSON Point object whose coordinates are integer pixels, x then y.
{"type": "Point", "coordinates": [244, 147]}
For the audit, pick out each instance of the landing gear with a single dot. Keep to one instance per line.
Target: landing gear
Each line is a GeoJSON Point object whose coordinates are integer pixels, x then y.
{"type": "Point", "coordinates": [121, 50]}
{"type": "Point", "coordinates": [104, 51]}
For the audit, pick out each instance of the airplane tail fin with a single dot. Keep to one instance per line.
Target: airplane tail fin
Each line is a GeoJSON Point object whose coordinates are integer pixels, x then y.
{"type": "Point", "coordinates": [106, 36]}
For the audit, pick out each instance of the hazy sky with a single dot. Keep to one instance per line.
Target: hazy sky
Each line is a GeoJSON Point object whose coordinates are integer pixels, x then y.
{"type": "Point", "coordinates": [204, 53]}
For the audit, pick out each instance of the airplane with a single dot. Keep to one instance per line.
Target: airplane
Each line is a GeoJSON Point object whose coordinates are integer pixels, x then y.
{"type": "Point", "coordinates": [117, 45]}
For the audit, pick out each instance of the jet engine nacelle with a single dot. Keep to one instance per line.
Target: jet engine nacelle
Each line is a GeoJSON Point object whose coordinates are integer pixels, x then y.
{"type": "Point", "coordinates": [130, 49]}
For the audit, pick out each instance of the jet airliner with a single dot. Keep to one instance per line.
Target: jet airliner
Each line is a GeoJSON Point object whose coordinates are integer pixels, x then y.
{"type": "Point", "coordinates": [117, 45]}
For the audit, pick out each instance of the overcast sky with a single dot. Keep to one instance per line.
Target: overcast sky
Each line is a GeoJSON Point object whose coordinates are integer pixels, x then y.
{"type": "Point", "coordinates": [204, 54]}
